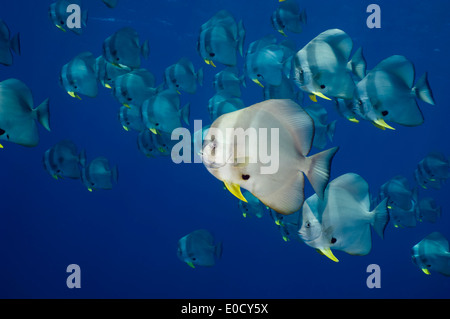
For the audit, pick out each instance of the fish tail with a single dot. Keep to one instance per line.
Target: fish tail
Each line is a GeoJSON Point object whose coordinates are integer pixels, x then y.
{"type": "Point", "coordinates": [381, 218]}
{"type": "Point", "coordinates": [185, 113]}
{"type": "Point", "coordinates": [423, 90]}
{"type": "Point", "coordinates": [115, 174]}
{"type": "Point", "coordinates": [82, 158]}
{"type": "Point", "coordinates": [42, 114]}
{"type": "Point", "coordinates": [84, 18]}
{"type": "Point", "coordinates": [145, 49]}
{"type": "Point", "coordinates": [318, 173]}
{"type": "Point", "coordinates": [218, 250]}
{"type": "Point", "coordinates": [199, 76]}
{"type": "Point", "coordinates": [15, 43]}
{"type": "Point", "coordinates": [331, 128]}
{"type": "Point", "coordinates": [241, 35]}
{"type": "Point", "coordinates": [358, 65]}
{"type": "Point", "coordinates": [303, 18]}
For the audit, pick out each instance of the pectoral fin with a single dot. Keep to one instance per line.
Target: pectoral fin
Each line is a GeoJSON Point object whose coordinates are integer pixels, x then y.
{"type": "Point", "coordinates": [235, 189]}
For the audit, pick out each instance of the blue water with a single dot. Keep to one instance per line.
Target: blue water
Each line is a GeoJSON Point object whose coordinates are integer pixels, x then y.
{"type": "Point", "coordinates": [125, 239]}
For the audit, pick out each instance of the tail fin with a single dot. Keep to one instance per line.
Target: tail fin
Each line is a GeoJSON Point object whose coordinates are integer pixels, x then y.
{"type": "Point", "coordinates": [199, 76]}
{"type": "Point", "coordinates": [218, 250]}
{"type": "Point", "coordinates": [145, 49]}
{"type": "Point", "coordinates": [84, 17]}
{"type": "Point", "coordinates": [357, 65]}
{"type": "Point", "coordinates": [303, 17]}
{"type": "Point", "coordinates": [82, 158]}
{"type": "Point", "coordinates": [423, 90]}
{"type": "Point", "coordinates": [185, 112]}
{"type": "Point", "coordinates": [319, 170]}
{"type": "Point", "coordinates": [42, 114]}
{"type": "Point", "coordinates": [15, 44]}
{"type": "Point", "coordinates": [241, 37]}
{"type": "Point", "coordinates": [115, 174]}
{"type": "Point", "coordinates": [331, 128]}
{"type": "Point", "coordinates": [381, 218]}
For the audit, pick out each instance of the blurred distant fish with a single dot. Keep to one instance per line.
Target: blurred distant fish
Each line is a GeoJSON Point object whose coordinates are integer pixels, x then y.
{"type": "Point", "coordinates": [428, 210]}
{"type": "Point", "coordinates": [345, 218]}
{"type": "Point", "coordinates": [63, 161]}
{"type": "Point", "coordinates": [182, 76]}
{"type": "Point", "coordinates": [222, 103]}
{"type": "Point", "coordinates": [107, 72]}
{"type": "Point", "coordinates": [220, 38]}
{"type": "Point", "coordinates": [123, 50]}
{"type": "Point", "coordinates": [228, 81]}
{"type": "Point", "coordinates": [79, 76]}
{"type": "Point", "coordinates": [403, 217]}
{"type": "Point", "coordinates": [288, 17]}
{"type": "Point", "coordinates": [345, 109]}
{"type": "Point", "coordinates": [153, 145]}
{"type": "Point", "coordinates": [17, 115]}
{"type": "Point", "coordinates": [266, 61]}
{"type": "Point", "coordinates": [398, 192]}
{"type": "Point", "coordinates": [198, 249]}
{"type": "Point", "coordinates": [432, 171]}
{"type": "Point", "coordinates": [323, 67]}
{"type": "Point", "coordinates": [98, 174]}
{"type": "Point", "coordinates": [133, 88]}
{"type": "Point", "coordinates": [131, 118]}
{"type": "Point", "coordinates": [236, 164]}
{"type": "Point", "coordinates": [387, 93]}
{"type": "Point", "coordinates": [7, 44]}
{"type": "Point", "coordinates": [110, 3]}
{"type": "Point", "coordinates": [162, 112]}
{"type": "Point", "coordinates": [432, 253]}
{"type": "Point", "coordinates": [58, 14]}
{"type": "Point", "coordinates": [286, 90]}
{"type": "Point", "coordinates": [252, 207]}
{"type": "Point", "coordinates": [323, 130]}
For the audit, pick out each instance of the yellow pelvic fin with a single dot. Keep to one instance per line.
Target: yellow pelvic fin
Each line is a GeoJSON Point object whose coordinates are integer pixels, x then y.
{"type": "Point", "coordinates": [235, 189]}
{"type": "Point", "coordinates": [55, 176]}
{"type": "Point", "coordinates": [426, 271]}
{"type": "Point", "coordinates": [1, 146]}
{"type": "Point", "coordinates": [257, 82]}
{"type": "Point", "coordinates": [382, 123]}
{"type": "Point", "coordinates": [90, 189]}
{"type": "Point", "coordinates": [320, 94]}
{"type": "Point", "coordinates": [108, 86]}
{"type": "Point", "coordinates": [153, 130]}
{"type": "Point", "coordinates": [127, 105]}
{"type": "Point", "coordinates": [327, 252]}
{"type": "Point", "coordinates": [190, 264]}
{"type": "Point", "coordinates": [125, 128]}
{"type": "Point", "coordinates": [354, 120]}
{"type": "Point", "coordinates": [282, 32]}
{"type": "Point", "coordinates": [60, 28]}
{"type": "Point", "coordinates": [313, 98]}
{"type": "Point", "coordinates": [74, 95]}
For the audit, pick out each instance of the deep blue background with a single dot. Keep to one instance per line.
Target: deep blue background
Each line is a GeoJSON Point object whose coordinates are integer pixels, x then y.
{"type": "Point", "coordinates": [125, 239]}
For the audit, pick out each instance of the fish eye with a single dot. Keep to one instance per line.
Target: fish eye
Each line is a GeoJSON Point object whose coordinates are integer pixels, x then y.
{"type": "Point", "coordinates": [193, 258]}
{"type": "Point", "coordinates": [384, 113]}
{"type": "Point", "coordinates": [322, 86]}
{"type": "Point", "coordinates": [333, 240]}
{"type": "Point", "coordinates": [360, 102]}
{"type": "Point", "coordinates": [156, 124]}
{"type": "Point", "coordinates": [129, 99]}
{"type": "Point", "coordinates": [61, 22]}
{"type": "Point", "coordinates": [7, 136]}
{"type": "Point", "coordinates": [258, 75]}
{"type": "Point", "coordinates": [245, 177]}
{"type": "Point", "coordinates": [307, 225]}
{"type": "Point", "coordinates": [301, 72]}
{"type": "Point", "coordinates": [212, 54]}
